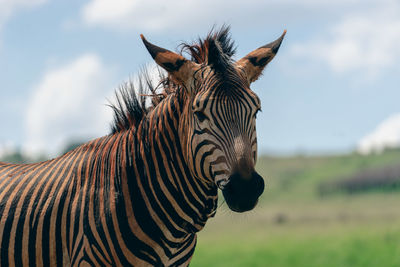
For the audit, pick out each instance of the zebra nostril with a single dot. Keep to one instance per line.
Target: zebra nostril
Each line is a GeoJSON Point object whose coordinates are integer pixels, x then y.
{"type": "Point", "coordinates": [259, 183]}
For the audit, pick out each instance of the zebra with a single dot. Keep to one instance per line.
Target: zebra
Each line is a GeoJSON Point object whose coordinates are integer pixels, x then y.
{"type": "Point", "coordinates": [138, 196]}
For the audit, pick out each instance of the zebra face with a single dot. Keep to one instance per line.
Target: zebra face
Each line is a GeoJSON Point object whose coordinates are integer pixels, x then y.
{"type": "Point", "coordinates": [218, 123]}
{"type": "Point", "coordinates": [222, 136]}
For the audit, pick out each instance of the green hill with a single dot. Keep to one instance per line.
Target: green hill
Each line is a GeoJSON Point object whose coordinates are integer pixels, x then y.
{"type": "Point", "coordinates": [300, 177]}
{"type": "Point", "coordinates": [295, 225]}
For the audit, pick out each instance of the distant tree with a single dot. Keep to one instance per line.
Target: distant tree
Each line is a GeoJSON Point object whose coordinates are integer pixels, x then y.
{"type": "Point", "coordinates": [15, 157]}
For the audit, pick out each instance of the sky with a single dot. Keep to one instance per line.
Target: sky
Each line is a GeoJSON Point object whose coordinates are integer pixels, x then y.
{"type": "Point", "coordinates": [332, 88]}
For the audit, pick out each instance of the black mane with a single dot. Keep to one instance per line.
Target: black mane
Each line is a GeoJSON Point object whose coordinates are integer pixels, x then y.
{"type": "Point", "coordinates": [131, 102]}
{"type": "Point", "coordinates": [131, 105]}
{"type": "Point", "coordinates": [205, 50]}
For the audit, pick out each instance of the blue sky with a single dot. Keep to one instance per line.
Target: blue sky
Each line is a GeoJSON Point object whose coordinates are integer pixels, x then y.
{"type": "Point", "coordinates": [333, 86]}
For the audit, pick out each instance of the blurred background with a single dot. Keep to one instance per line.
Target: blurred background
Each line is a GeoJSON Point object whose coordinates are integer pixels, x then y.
{"type": "Point", "coordinates": [329, 133]}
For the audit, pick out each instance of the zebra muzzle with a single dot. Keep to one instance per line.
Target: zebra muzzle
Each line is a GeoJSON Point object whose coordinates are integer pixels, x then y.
{"type": "Point", "coordinates": [242, 193]}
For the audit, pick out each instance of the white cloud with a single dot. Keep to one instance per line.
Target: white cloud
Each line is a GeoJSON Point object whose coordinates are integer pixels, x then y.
{"type": "Point", "coordinates": [386, 135]}
{"type": "Point", "coordinates": [158, 15]}
{"type": "Point", "coordinates": [69, 103]}
{"type": "Point", "coordinates": [362, 41]}
{"type": "Point", "coordinates": [8, 7]}
{"type": "Point", "coordinates": [144, 14]}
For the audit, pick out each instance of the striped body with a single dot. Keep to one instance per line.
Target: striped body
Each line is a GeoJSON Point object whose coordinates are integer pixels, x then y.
{"type": "Point", "coordinates": [117, 201]}
{"type": "Point", "coordinates": [138, 196]}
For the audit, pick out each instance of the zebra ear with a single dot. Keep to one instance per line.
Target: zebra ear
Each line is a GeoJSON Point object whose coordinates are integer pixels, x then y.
{"type": "Point", "coordinates": [181, 69]}
{"type": "Point", "coordinates": [254, 63]}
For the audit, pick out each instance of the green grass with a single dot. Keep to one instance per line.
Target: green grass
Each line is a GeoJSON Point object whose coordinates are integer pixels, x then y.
{"type": "Point", "coordinates": [305, 245]}
{"type": "Point", "coordinates": [332, 233]}
{"type": "Point", "coordinates": [294, 226]}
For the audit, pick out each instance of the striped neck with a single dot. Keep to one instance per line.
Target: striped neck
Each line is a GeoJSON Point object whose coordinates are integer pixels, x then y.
{"type": "Point", "coordinates": [166, 168]}
{"type": "Point", "coordinates": [160, 194]}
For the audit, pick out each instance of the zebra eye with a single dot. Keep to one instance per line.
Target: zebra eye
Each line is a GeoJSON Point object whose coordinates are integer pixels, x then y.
{"type": "Point", "coordinates": [255, 114]}
{"type": "Point", "coordinates": [200, 115]}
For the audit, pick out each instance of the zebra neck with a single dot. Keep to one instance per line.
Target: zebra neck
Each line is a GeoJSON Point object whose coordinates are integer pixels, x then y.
{"type": "Point", "coordinates": [164, 180]}
{"type": "Point", "coordinates": [163, 204]}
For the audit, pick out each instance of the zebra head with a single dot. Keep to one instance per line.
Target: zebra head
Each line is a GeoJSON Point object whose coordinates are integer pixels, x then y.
{"type": "Point", "coordinates": [218, 122]}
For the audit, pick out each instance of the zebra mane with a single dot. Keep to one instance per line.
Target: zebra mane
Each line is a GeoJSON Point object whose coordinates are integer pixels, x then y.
{"type": "Point", "coordinates": [204, 50]}
{"type": "Point", "coordinates": [132, 103]}
{"type": "Point", "coordinates": [132, 100]}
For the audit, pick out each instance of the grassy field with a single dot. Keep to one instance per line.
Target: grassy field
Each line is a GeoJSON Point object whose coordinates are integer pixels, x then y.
{"type": "Point", "coordinates": [294, 225]}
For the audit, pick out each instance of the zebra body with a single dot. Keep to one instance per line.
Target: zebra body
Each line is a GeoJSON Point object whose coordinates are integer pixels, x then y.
{"type": "Point", "coordinates": [61, 212]}
{"type": "Point", "coordinates": [136, 197]}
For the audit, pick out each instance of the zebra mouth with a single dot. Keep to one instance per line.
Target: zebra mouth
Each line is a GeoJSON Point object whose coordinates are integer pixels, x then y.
{"type": "Point", "coordinates": [222, 183]}
{"type": "Point", "coordinates": [241, 194]}
{"type": "Point", "coordinates": [221, 178]}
